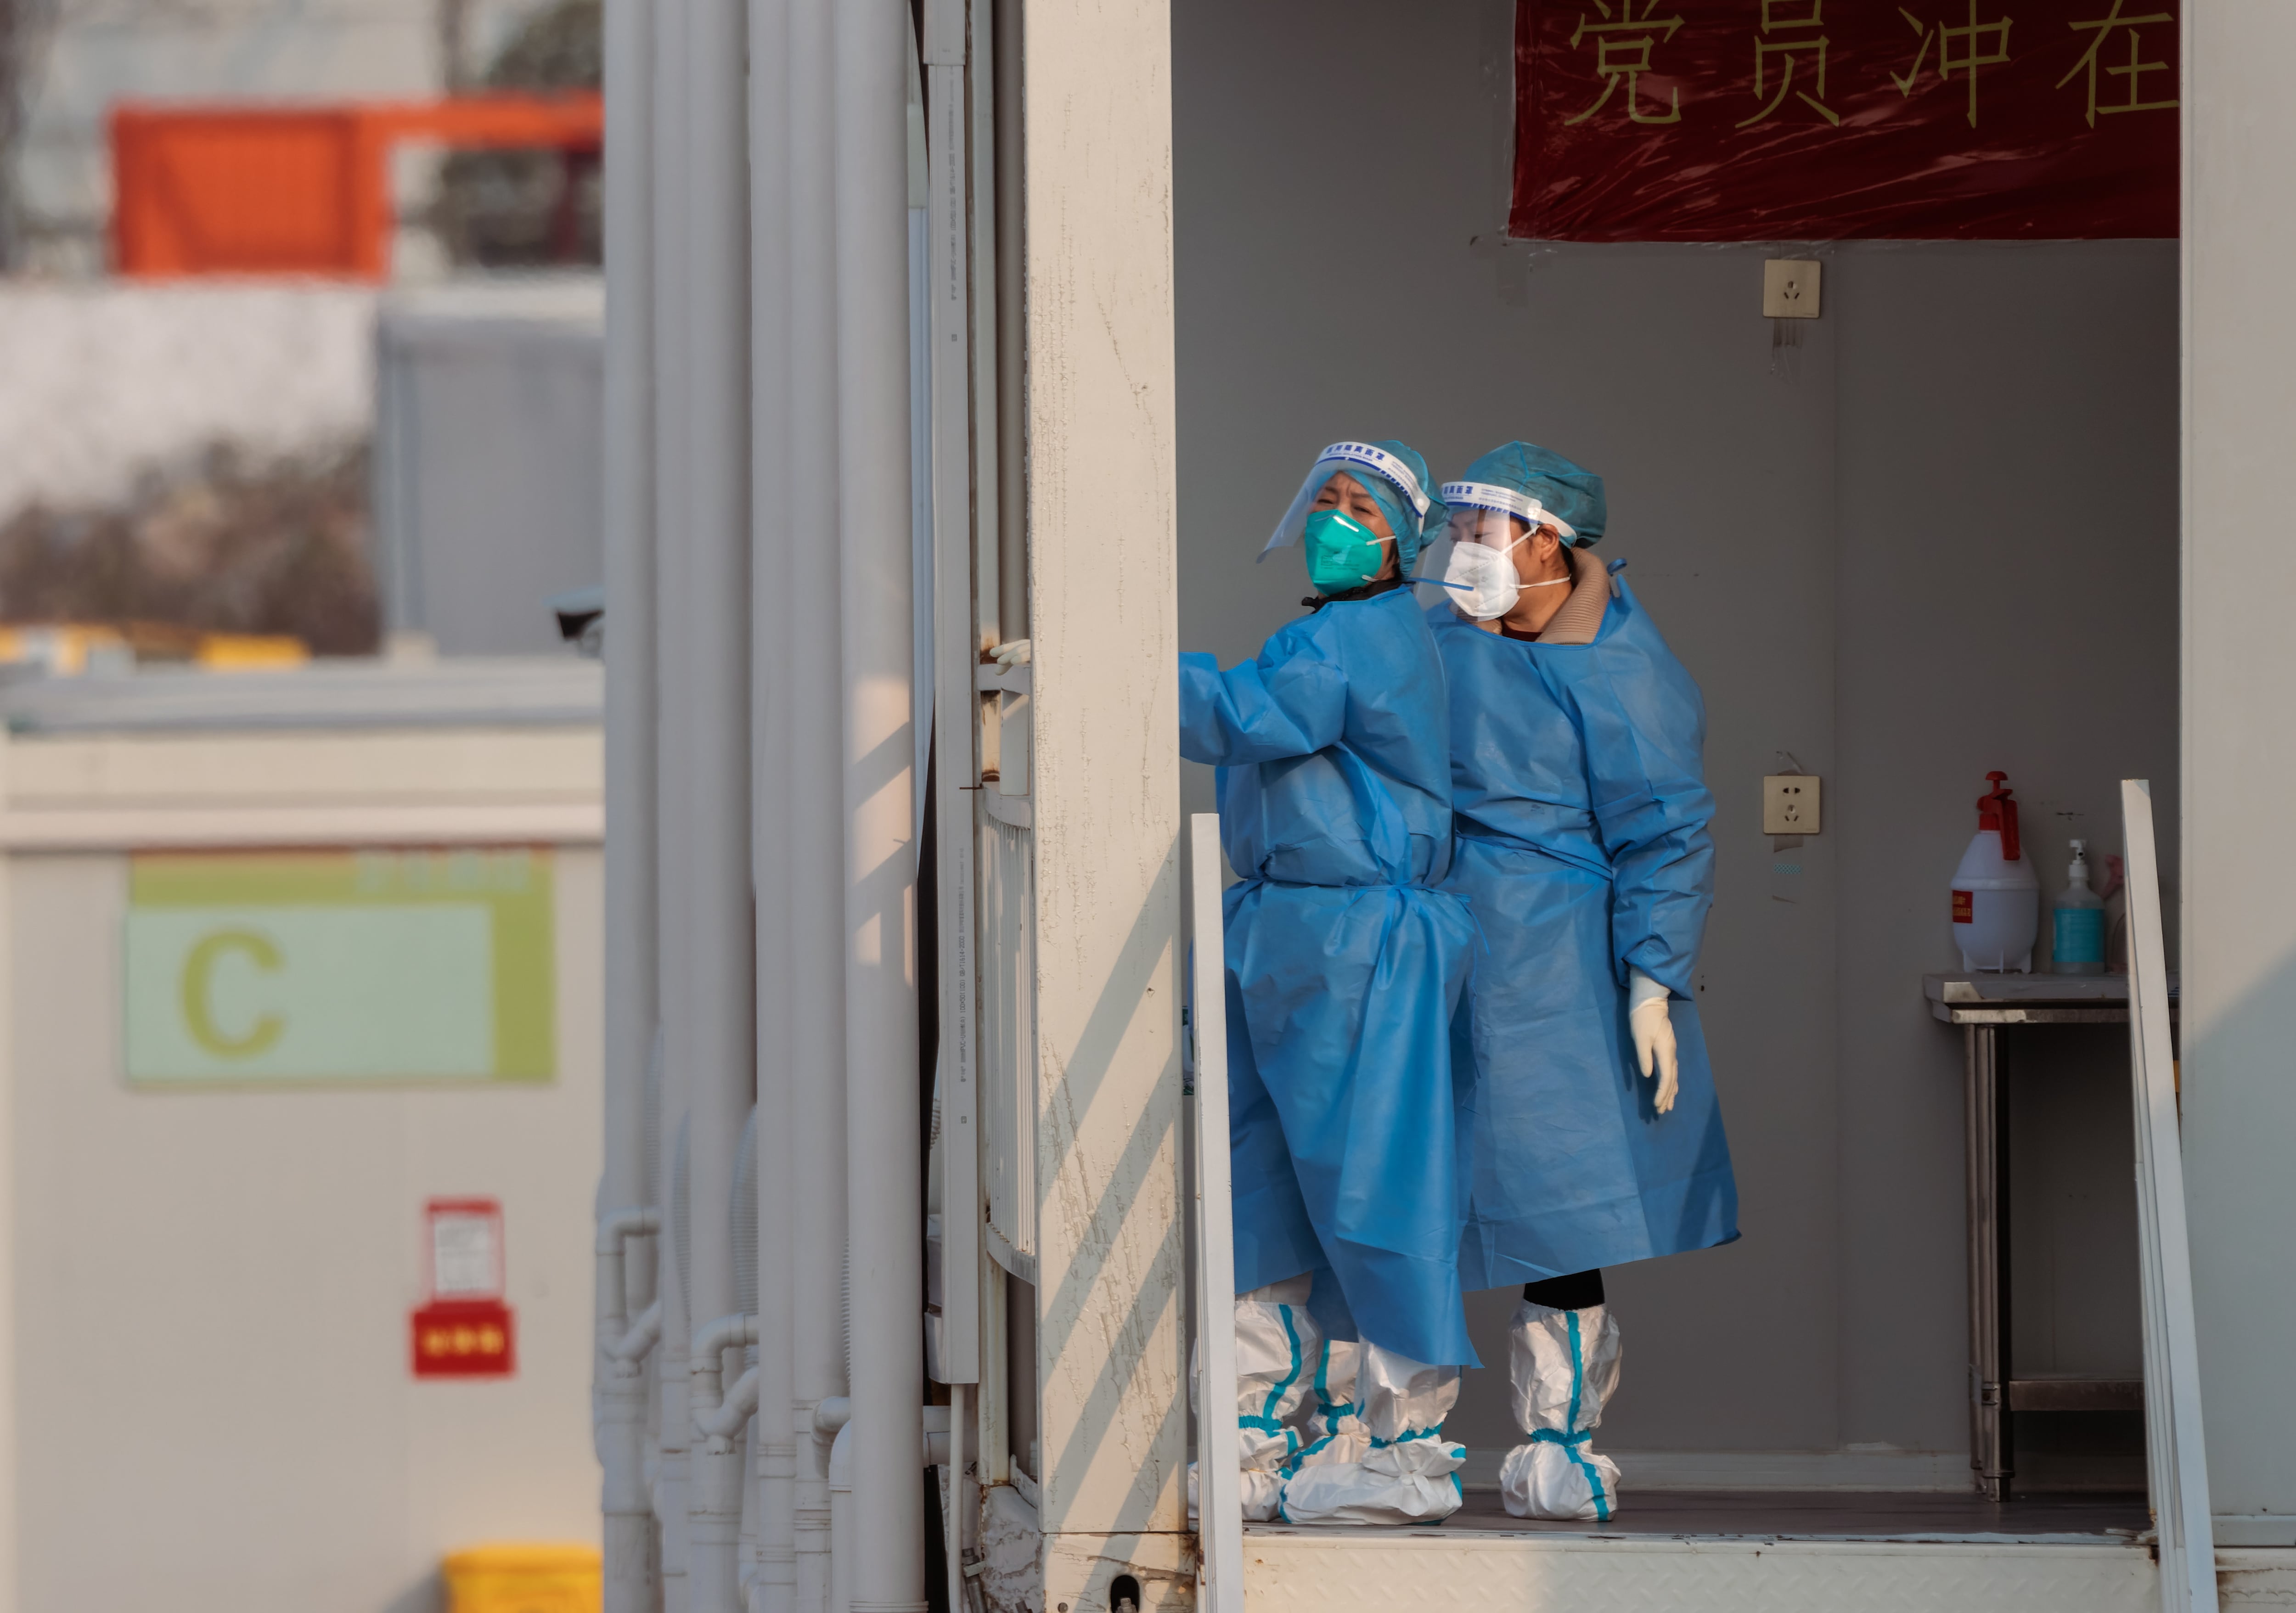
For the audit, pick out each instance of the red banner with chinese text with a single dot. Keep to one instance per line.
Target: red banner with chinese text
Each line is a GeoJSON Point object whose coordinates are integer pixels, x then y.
{"type": "Point", "coordinates": [1843, 120]}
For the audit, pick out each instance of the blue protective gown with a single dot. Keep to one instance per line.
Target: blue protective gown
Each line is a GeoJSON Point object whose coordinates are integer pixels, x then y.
{"type": "Point", "coordinates": [1582, 809]}
{"type": "Point", "coordinates": [1345, 965]}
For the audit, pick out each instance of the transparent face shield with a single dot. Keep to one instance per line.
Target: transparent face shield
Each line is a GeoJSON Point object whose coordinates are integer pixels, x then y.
{"type": "Point", "coordinates": [1361, 461]}
{"type": "Point", "coordinates": [1491, 529]}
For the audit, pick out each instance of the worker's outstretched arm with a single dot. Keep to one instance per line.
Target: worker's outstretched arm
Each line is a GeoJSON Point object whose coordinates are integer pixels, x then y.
{"type": "Point", "coordinates": [1260, 711]}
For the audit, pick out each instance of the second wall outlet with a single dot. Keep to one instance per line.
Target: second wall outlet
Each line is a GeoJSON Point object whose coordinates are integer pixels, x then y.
{"type": "Point", "coordinates": [1790, 288]}
{"type": "Point", "coordinates": [1790, 803]}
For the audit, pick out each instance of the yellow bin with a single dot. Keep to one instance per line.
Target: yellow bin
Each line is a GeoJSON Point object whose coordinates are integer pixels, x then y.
{"type": "Point", "coordinates": [524, 1578]}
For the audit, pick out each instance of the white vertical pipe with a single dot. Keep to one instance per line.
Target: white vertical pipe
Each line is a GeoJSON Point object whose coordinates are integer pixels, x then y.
{"type": "Point", "coordinates": [672, 743]}
{"type": "Point", "coordinates": [842, 1522]}
{"type": "Point", "coordinates": [815, 782]}
{"type": "Point", "coordinates": [1012, 214]}
{"type": "Point", "coordinates": [884, 1197]}
{"type": "Point", "coordinates": [774, 679]}
{"type": "Point", "coordinates": [721, 956]}
{"type": "Point", "coordinates": [952, 650]}
{"type": "Point", "coordinates": [955, 1532]}
{"type": "Point", "coordinates": [630, 1005]}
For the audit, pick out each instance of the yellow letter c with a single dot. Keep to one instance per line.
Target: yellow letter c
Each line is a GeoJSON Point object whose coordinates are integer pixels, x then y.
{"type": "Point", "coordinates": [197, 970]}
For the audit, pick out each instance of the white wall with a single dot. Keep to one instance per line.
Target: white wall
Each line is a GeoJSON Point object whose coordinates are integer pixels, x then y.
{"type": "Point", "coordinates": [2240, 745]}
{"type": "Point", "coordinates": [103, 383]}
{"type": "Point", "coordinates": [211, 1402]}
{"type": "Point", "coordinates": [1931, 541]}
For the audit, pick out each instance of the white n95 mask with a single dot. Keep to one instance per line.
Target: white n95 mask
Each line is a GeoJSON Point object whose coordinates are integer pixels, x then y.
{"type": "Point", "coordinates": [1483, 579]}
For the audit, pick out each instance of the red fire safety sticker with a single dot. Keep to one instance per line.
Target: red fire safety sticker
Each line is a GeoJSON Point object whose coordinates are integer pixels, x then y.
{"type": "Point", "coordinates": [464, 1328]}
{"type": "Point", "coordinates": [1963, 907]}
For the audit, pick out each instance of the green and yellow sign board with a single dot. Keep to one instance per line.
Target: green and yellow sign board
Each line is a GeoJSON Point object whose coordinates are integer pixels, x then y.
{"type": "Point", "coordinates": [341, 966]}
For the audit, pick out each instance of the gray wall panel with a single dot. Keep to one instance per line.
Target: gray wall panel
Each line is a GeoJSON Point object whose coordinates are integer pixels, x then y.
{"type": "Point", "coordinates": [490, 403]}
{"type": "Point", "coordinates": [2008, 599]}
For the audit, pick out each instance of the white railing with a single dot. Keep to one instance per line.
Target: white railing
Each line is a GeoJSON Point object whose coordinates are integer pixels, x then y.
{"type": "Point", "coordinates": [2174, 1448]}
{"type": "Point", "coordinates": [1218, 1504]}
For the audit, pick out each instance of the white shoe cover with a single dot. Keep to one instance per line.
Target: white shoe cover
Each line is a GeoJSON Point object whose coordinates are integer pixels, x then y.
{"type": "Point", "coordinates": [1336, 1411]}
{"type": "Point", "coordinates": [1403, 1398]}
{"type": "Point", "coordinates": [1564, 1366]}
{"type": "Point", "coordinates": [1381, 1458]}
{"type": "Point", "coordinates": [1414, 1482]}
{"type": "Point", "coordinates": [1263, 1495]}
{"type": "Point", "coordinates": [1277, 1345]}
{"type": "Point", "coordinates": [1260, 1489]}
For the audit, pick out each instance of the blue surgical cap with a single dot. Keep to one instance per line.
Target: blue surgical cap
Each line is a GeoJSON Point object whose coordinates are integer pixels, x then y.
{"type": "Point", "coordinates": [1361, 460]}
{"type": "Point", "coordinates": [1563, 488]}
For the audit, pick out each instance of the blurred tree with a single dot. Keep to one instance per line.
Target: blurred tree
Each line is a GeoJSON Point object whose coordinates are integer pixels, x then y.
{"type": "Point", "coordinates": [227, 545]}
{"type": "Point", "coordinates": [509, 210]}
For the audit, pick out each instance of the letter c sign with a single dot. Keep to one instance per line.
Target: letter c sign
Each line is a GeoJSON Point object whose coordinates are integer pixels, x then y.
{"type": "Point", "coordinates": [199, 967]}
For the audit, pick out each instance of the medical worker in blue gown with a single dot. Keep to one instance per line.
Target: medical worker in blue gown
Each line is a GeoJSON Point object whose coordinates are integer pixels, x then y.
{"type": "Point", "coordinates": [1345, 965]}
{"type": "Point", "coordinates": [1578, 791]}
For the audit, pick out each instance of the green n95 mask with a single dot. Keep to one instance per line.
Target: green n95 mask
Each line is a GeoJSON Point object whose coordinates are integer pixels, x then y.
{"type": "Point", "coordinates": [1342, 552]}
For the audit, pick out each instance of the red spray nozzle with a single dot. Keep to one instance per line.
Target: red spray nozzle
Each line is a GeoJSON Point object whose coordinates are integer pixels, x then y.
{"type": "Point", "coordinates": [1996, 811]}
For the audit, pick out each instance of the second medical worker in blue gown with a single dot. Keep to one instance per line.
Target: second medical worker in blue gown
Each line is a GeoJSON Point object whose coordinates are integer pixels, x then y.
{"type": "Point", "coordinates": [1583, 847]}
{"type": "Point", "coordinates": [1344, 965]}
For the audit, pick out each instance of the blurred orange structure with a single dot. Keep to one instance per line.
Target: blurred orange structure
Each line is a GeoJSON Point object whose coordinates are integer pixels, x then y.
{"type": "Point", "coordinates": [249, 190]}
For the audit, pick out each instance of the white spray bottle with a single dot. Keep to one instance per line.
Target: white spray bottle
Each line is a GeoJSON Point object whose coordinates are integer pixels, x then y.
{"type": "Point", "coordinates": [1997, 898]}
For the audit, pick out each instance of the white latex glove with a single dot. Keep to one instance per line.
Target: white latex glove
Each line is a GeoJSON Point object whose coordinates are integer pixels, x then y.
{"type": "Point", "coordinates": [1654, 1034]}
{"type": "Point", "coordinates": [1012, 653]}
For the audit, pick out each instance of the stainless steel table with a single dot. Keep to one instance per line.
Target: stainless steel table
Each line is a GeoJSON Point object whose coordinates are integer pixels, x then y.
{"type": "Point", "coordinates": [1983, 1006]}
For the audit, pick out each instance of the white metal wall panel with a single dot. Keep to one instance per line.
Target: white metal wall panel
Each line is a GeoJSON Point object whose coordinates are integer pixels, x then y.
{"type": "Point", "coordinates": [283, 1459]}
{"type": "Point", "coordinates": [2239, 962]}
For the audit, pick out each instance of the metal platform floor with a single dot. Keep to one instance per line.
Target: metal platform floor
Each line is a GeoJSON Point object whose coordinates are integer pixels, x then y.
{"type": "Point", "coordinates": [1719, 1551]}
{"type": "Point", "coordinates": [1835, 1515]}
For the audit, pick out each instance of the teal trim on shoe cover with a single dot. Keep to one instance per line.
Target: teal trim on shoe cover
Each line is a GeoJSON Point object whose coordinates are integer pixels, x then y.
{"type": "Point", "coordinates": [1266, 1421]}
{"type": "Point", "coordinates": [1331, 1409]}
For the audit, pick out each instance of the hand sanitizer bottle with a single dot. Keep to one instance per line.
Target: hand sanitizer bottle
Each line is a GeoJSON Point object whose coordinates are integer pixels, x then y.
{"type": "Point", "coordinates": [2079, 936]}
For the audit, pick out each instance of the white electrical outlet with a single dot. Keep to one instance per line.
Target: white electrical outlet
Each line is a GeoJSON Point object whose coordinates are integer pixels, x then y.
{"type": "Point", "coordinates": [1790, 803]}
{"type": "Point", "coordinates": [1790, 288]}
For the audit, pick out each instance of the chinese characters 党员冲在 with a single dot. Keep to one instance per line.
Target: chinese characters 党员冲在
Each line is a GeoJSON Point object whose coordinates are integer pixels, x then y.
{"type": "Point", "coordinates": [1791, 34]}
